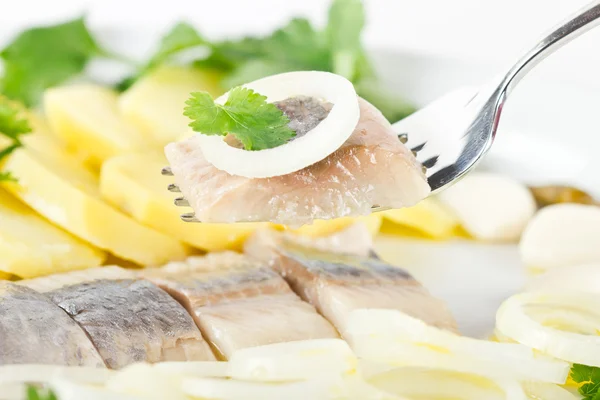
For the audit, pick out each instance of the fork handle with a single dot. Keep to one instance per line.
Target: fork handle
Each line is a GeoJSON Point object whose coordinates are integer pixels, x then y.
{"type": "Point", "coordinates": [574, 26]}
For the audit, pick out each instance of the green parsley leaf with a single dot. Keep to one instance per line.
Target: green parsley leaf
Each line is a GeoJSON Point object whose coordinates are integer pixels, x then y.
{"type": "Point", "coordinates": [45, 56]}
{"type": "Point", "coordinates": [34, 393]}
{"type": "Point", "coordinates": [12, 125]}
{"type": "Point", "coordinates": [346, 22]}
{"type": "Point", "coordinates": [295, 47]}
{"type": "Point", "coordinates": [588, 379]}
{"type": "Point", "coordinates": [246, 115]}
{"type": "Point", "coordinates": [181, 37]}
{"type": "Point", "coordinates": [6, 176]}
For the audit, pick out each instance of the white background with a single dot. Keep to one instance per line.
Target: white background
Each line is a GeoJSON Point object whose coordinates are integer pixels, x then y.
{"type": "Point", "coordinates": [487, 28]}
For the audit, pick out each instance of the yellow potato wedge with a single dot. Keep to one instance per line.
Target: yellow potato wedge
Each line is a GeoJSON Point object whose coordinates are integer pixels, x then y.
{"type": "Point", "coordinates": [87, 119]}
{"type": "Point", "coordinates": [30, 246]}
{"type": "Point", "coordinates": [57, 187]}
{"type": "Point", "coordinates": [328, 227]}
{"type": "Point", "coordinates": [133, 183]}
{"type": "Point", "coordinates": [428, 217]}
{"type": "Point", "coordinates": [155, 103]}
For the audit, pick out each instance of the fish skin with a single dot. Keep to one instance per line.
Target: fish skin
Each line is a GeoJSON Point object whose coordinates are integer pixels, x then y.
{"type": "Point", "coordinates": [133, 321]}
{"type": "Point", "coordinates": [49, 283]}
{"type": "Point", "coordinates": [372, 168]}
{"type": "Point", "coordinates": [33, 330]}
{"type": "Point", "coordinates": [240, 304]}
{"type": "Point", "coordinates": [337, 284]}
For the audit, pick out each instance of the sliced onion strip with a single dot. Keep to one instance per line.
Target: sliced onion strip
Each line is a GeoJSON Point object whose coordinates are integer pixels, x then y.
{"type": "Point", "coordinates": [303, 151]}
{"type": "Point", "coordinates": [290, 361]}
{"type": "Point", "coordinates": [513, 321]}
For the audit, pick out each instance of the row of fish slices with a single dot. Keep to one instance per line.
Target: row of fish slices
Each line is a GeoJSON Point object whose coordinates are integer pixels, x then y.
{"type": "Point", "coordinates": [235, 302]}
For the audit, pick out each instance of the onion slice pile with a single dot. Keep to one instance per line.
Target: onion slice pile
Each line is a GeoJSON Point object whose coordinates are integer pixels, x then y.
{"type": "Point", "coordinates": [514, 321]}
{"type": "Point", "coordinates": [408, 341]}
{"type": "Point", "coordinates": [424, 383]}
{"type": "Point", "coordinates": [303, 151]}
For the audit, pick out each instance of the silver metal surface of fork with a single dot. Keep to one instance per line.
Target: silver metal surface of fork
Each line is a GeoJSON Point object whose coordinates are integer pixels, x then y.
{"type": "Point", "coordinates": [451, 135]}
{"type": "Point", "coordinates": [459, 129]}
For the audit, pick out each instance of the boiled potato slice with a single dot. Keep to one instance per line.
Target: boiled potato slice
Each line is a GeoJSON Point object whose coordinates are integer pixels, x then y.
{"type": "Point", "coordinates": [155, 103]}
{"type": "Point", "coordinates": [30, 246]}
{"type": "Point", "coordinates": [57, 187]}
{"type": "Point", "coordinates": [133, 183]}
{"type": "Point", "coordinates": [428, 217]}
{"type": "Point", "coordinates": [329, 227]}
{"type": "Point", "coordinates": [87, 119]}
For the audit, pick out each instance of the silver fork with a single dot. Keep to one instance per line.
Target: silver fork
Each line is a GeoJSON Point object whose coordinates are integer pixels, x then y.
{"type": "Point", "coordinates": [451, 135]}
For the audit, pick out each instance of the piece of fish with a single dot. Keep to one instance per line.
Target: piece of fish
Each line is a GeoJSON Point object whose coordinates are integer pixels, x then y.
{"type": "Point", "coordinates": [338, 283]}
{"type": "Point", "coordinates": [239, 303]}
{"type": "Point", "coordinates": [49, 283]}
{"type": "Point", "coordinates": [373, 168]}
{"type": "Point", "coordinates": [132, 321]}
{"type": "Point", "coordinates": [33, 330]}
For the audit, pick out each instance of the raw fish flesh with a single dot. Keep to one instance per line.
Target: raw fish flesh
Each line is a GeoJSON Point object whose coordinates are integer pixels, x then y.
{"type": "Point", "coordinates": [239, 303]}
{"type": "Point", "coordinates": [373, 168]}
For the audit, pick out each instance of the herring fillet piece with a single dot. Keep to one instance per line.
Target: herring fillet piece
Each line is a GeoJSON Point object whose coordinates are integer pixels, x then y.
{"type": "Point", "coordinates": [337, 284]}
{"type": "Point", "coordinates": [33, 330]}
{"type": "Point", "coordinates": [239, 303]}
{"type": "Point", "coordinates": [373, 168]}
{"type": "Point", "coordinates": [133, 321]}
{"type": "Point", "coordinates": [49, 283]}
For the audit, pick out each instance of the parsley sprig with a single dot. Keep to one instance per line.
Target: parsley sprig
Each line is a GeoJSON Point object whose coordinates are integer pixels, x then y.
{"type": "Point", "coordinates": [42, 57]}
{"type": "Point", "coordinates": [12, 126]}
{"type": "Point", "coordinates": [588, 379]}
{"type": "Point", "coordinates": [33, 393]}
{"type": "Point", "coordinates": [246, 115]}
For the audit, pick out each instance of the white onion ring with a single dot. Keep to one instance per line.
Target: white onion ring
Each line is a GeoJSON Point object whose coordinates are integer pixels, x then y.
{"type": "Point", "coordinates": [514, 322]}
{"type": "Point", "coordinates": [425, 383]}
{"type": "Point", "coordinates": [306, 150]}
{"type": "Point", "coordinates": [408, 341]}
{"type": "Point", "coordinates": [291, 361]}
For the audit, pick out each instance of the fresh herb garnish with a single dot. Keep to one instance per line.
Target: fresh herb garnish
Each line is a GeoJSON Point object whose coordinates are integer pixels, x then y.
{"type": "Point", "coordinates": [45, 56]}
{"type": "Point", "coordinates": [12, 126]}
{"type": "Point", "coordinates": [588, 379]}
{"type": "Point", "coordinates": [34, 393]}
{"type": "Point", "coordinates": [181, 37]}
{"type": "Point", "coordinates": [246, 115]}
{"type": "Point", "coordinates": [297, 46]}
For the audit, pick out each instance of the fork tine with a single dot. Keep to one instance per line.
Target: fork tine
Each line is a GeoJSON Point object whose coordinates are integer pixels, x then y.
{"type": "Point", "coordinates": [166, 171]}
{"type": "Point", "coordinates": [430, 162]}
{"type": "Point", "coordinates": [419, 147]}
{"type": "Point", "coordinates": [182, 202]}
{"type": "Point", "coordinates": [173, 188]}
{"type": "Point", "coordinates": [189, 217]}
{"type": "Point", "coordinates": [403, 137]}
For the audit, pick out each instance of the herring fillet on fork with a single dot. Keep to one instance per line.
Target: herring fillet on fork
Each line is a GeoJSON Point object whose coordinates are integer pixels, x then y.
{"type": "Point", "coordinates": [454, 133]}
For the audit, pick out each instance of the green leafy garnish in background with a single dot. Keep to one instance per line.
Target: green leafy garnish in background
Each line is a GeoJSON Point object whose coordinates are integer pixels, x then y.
{"type": "Point", "coordinates": [297, 46]}
{"type": "Point", "coordinates": [12, 126]}
{"type": "Point", "coordinates": [43, 57]}
{"type": "Point", "coordinates": [34, 393]}
{"type": "Point", "coordinates": [258, 125]}
{"type": "Point", "coordinates": [181, 37]}
{"type": "Point", "coordinates": [47, 56]}
{"type": "Point", "coordinates": [588, 379]}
